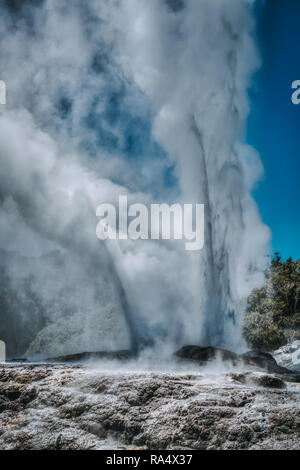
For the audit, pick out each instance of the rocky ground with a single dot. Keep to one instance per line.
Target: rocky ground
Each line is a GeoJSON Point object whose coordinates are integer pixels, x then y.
{"type": "Point", "coordinates": [289, 355]}
{"type": "Point", "coordinates": [48, 406]}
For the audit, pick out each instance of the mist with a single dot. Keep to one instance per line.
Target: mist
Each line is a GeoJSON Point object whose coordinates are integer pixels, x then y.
{"type": "Point", "coordinates": [136, 98]}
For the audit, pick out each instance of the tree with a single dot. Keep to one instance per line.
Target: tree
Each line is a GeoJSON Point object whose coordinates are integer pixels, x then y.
{"type": "Point", "coordinates": [273, 312]}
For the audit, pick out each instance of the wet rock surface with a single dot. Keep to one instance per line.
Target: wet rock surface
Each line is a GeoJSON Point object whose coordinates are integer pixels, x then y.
{"type": "Point", "coordinates": [204, 354]}
{"type": "Point", "coordinates": [76, 407]}
{"type": "Point", "coordinates": [289, 356]}
{"type": "Point", "coordinates": [260, 359]}
{"type": "Point", "coordinates": [123, 355]}
{"type": "Point", "coordinates": [197, 354]}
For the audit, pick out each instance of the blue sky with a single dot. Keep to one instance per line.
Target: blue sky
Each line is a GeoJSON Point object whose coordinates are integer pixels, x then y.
{"type": "Point", "coordinates": [274, 122]}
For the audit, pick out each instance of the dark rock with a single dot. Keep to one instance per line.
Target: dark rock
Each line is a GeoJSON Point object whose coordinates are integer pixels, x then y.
{"type": "Point", "coordinates": [14, 396]}
{"type": "Point", "coordinates": [123, 355]}
{"type": "Point", "coordinates": [267, 362]}
{"type": "Point", "coordinates": [238, 377]}
{"type": "Point", "coordinates": [256, 378]}
{"type": "Point", "coordinates": [204, 354]}
{"type": "Point", "coordinates": [260, 359]}
{"type": "Point", "coordinates": [269, 381]}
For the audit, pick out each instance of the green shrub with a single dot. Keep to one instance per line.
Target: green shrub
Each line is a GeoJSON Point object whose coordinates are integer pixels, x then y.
{"type": "Point", "coordinates": [262, 333]}
{"type": "Point", "coordinates": [273, 317]}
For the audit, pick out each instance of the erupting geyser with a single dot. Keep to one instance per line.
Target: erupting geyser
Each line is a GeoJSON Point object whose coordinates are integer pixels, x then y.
{"type": "Point", "coordinates": [146, 99]}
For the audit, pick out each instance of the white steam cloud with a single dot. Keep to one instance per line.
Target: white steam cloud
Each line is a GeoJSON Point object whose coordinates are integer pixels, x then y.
{"type": "Point", "coordinates": [104, 99]}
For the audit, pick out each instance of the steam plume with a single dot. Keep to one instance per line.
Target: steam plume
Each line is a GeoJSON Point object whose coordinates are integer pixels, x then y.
{"type": "Point", "coordinates": [147, 99]}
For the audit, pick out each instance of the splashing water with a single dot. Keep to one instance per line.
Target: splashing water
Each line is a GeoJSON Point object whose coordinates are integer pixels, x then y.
{"type": "Point", "coordinates": [194, 63]}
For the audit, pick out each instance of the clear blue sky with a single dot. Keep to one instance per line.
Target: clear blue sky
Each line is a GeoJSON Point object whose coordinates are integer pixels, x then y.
{"type": "Point", "coordinates": [274, 122]}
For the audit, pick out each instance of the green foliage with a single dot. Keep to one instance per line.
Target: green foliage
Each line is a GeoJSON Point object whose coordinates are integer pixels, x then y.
{"type": "Point", "coordinates": [273, 312]}
{"type": "Point", "coordinates": [262, 333]}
